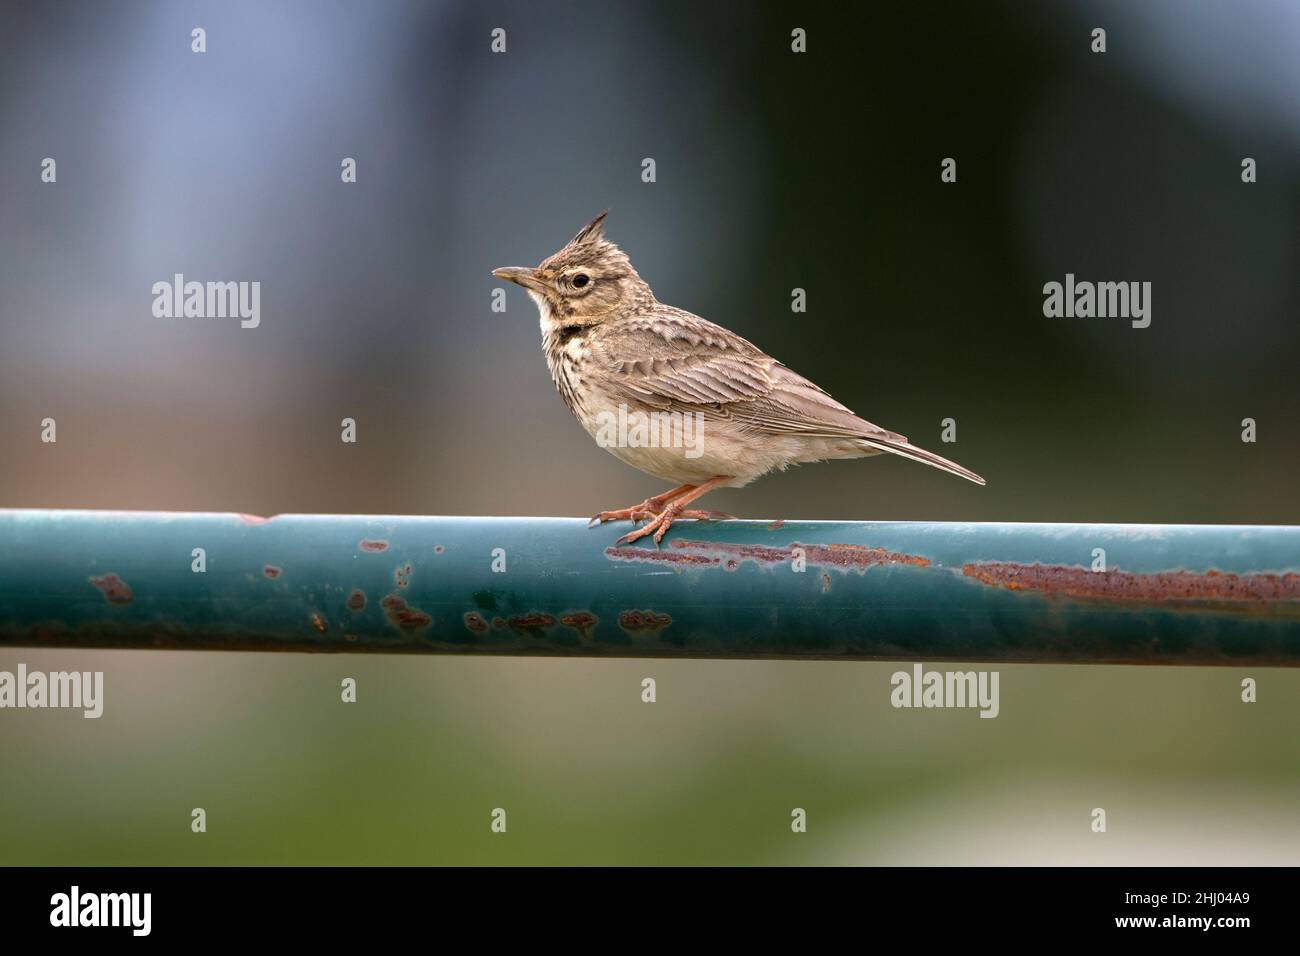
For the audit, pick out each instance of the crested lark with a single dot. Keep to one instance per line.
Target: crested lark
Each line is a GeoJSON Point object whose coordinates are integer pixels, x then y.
{"type": "Point", "coordinates": [616, 353]}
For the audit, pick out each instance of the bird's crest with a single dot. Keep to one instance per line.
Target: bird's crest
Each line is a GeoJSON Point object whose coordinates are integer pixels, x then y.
{"type": "Point", "coordinates": [593, 231]}
{"type": "Point", "coordinates": [590, 247]}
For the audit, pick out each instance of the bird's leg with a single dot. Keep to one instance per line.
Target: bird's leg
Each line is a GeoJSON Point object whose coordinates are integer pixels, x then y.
{"type": "Point", "coordinates": [660, 523]}
{"type": "Point", "coordinates": [646, 509]}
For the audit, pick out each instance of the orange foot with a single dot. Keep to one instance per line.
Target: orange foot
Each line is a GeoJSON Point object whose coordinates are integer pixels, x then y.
{"type": "Point", "coordinates": [674, 506]}
{"type": "Point", "coordinates": [660, 523]}
{"type": "Point", "coordinates": [635, 513]}
{"type": "Point", "coordinates": [646, 509]}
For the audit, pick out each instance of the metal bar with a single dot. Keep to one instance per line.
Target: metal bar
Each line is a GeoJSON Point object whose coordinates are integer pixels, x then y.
{"type": "Point", "coordinates": [732, 589]}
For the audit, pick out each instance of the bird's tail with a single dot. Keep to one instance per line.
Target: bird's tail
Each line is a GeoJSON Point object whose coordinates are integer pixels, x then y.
{"type": "Point", "coordinates": [907, 450]}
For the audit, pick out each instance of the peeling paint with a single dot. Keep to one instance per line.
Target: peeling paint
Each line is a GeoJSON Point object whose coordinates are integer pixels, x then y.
{"type": "Point", "coordinates": [116, 591]}
{"type": "Point", "coordinates": [318, 622]}
{"type": "Point", "coordinates": [372, 545]}
{"type": "Point", "coordinates": [1217, 588]}
{"type": "Point", "coordinates": [402, 616]}
{"type": "Point", "coordinates": [584, 622]}
{"type": "Point", "coordinates": [251, 519]}
{"type": "Point", "coordinates": [844, 557]}
{"type": "Point", "coordinates": [533, 621]}
{"type": "Point", "coordinates": [776, 525]}
{"type": "Point", "coordinates": [639, 621]}
{"type": "Point", "coordinates": [652, 556]}
{"type": "Point", "coordinates": [856, 557]}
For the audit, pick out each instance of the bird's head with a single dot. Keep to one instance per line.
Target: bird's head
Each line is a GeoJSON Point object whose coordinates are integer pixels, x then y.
{"type": "Point", "coordinates": [587, 281]}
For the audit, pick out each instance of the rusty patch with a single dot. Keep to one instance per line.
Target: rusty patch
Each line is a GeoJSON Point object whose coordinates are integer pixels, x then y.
{"type": "Point", "coordinates": [856, 557]}
{"type": "Point", "coordinates": [776, 525]}
{"type": "Point", "coordinates": [653, 556]}
{"type": "Point", "coordinates": [844, 557]}
{"type": "Point", "coordinates": [372, 545]}
{"type": "Point", "coordinates": [1215, 588]}
{"type": "Point", "coordinates": [584, 622]}
{"type": "Point", "coordinates": [356, 600]}
{"type": "Point", "coordinates": [116, 591]}
{"type": "Point", "coordinates": [438, 549]}
{"type": "Point", "coordinates": [402, 616]}
{"type": "Point", "coordinates": [271, 571]}
{"type": "Point", "coordinates": [643, 621]}
{"type": "Point", "coordinates": [318, 622]}
{"type": "Point", "coordinates": [475, 623]}
{"type": "Point", "coordinates": [402, 576]}
{"type": "Point", "coordinates": [532, 621]}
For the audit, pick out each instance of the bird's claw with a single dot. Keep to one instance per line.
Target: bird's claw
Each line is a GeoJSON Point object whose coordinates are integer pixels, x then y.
{"type": "Point", "coordinates": [635, 513]}
{"type": "Point", "coordinates": [646, 529]}
{"type": "Point", "coordinates": [659, 524]}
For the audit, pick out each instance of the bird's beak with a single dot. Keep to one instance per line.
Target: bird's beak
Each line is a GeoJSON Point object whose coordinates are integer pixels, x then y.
{"type": "Point", "coordinates": [520, 275]}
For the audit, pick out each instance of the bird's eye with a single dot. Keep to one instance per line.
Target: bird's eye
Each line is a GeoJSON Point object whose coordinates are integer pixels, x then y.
{"type": "Point", "coordinates": [580, 280]}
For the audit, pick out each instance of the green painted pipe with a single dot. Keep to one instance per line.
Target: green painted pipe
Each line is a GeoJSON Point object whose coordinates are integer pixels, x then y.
{"type": "Point", "coordinates": [730, 589]}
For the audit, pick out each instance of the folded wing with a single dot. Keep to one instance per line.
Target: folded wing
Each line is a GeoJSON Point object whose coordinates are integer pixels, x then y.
{"type": "Point", "coordinates": [674, 361]}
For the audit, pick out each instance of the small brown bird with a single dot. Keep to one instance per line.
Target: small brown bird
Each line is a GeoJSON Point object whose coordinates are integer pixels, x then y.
{"type": "Point", "coordinates": [677, 396]}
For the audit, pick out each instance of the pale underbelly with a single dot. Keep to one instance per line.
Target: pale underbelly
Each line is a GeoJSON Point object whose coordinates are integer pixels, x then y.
{"type": "Point", "coordinates": [691, 448]}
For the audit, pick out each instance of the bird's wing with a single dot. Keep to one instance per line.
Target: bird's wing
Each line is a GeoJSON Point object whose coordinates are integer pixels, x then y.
{"type": "Point", "coordinates": [674, 361]}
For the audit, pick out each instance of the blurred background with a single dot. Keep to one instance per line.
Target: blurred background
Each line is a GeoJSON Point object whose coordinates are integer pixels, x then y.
{"type": "Point", "coordinates": [774, 171]}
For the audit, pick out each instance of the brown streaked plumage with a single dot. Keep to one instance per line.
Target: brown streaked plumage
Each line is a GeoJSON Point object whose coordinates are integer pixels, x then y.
{"type": "Point", "coordinates": [614, 349]}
